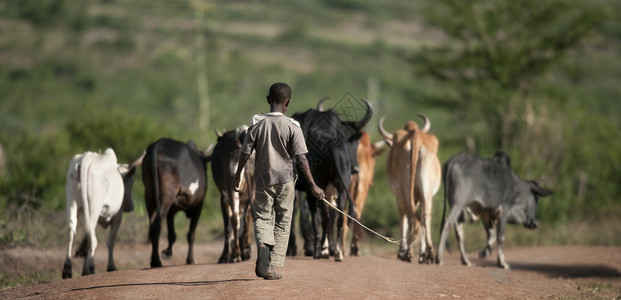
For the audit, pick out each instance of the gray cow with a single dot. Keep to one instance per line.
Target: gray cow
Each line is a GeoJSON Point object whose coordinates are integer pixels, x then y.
{"type": "Point", "coordinates": [488, 188]}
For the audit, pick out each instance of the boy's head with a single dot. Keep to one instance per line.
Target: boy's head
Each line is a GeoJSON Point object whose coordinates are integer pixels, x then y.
{"type": "Point", "coordinates": [280, 94]}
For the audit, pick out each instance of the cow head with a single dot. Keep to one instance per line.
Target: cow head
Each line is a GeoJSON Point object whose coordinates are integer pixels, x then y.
{"type": "Point", "coordinates": [409, 126]}
{"type": "Point", "coordinates": [524, 210]}
{"type": "Point", "coordinates": [325, 132]}
{"type": "Point", "coordinates": [127, 173]}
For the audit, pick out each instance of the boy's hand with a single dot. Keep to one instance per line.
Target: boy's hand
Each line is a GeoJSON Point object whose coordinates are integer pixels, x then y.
{"type": "Point", "coordinates": [318, 192]}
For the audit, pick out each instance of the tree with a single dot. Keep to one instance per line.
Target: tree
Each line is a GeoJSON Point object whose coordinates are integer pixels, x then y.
{"type": "Point", "coordinates": [494, 51]}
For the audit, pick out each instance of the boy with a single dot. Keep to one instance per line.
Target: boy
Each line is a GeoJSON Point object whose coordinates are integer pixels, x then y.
{"type": "Point", "coordinates": [278, 141]}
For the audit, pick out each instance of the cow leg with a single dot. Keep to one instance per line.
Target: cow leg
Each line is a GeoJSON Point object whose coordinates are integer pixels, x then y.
{"type": "Point", "coordinates": [245, 240]}
{"type": "Point", "coordinates": [89, 260]}
{"type": "Point", "coordinates": [407, 236]}
{"type": "Point", "coordinates": [340, 223]}
{"type": "Point", "coordinates": [324, 243]}
{"type": "Point", "coordinates": [191, 235]}
{"type": "Point", "coordinates": [426, 250]}
{"type": "Point", "coordinates": [154, 235]}
{"type": "Point", "coordinates": [357, 229]}
{"type": "Point", "coordinates": [72, 216]}
{"type": "Point", "coordinates": [501, 239]}
{"type": "Point", "coordinates": [236, 255]}
{"type": "Point", "coordinates": [444, 231]}
{"type": "Point", "coordinates": [317, 221]}
{"type": "Point", "coordinates": [227, 232]}
{"type": "Point", "coordinates": [306, 225]}
{"type": "Point", "coordinates": [172, 236]}
{"type": "Point", "coordinates": [459, 232]}
{"type": "Point", "coordinates": [292, 248]}
{"type": "Point", "coordinates": [116, 223]}
{"type": "Point", "coordinates": [491, 237]}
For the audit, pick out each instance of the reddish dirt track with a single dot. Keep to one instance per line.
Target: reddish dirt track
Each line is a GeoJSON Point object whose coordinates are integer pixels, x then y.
{"type": "Point", "coordinates": [539, 272]}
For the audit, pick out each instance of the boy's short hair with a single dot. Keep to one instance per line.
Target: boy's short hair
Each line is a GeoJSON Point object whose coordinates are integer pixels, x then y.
{"type": "Point", "coordinates": [279, 92]}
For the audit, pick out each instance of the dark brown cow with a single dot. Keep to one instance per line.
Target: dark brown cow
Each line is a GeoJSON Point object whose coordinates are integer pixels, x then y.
{"type": "Point", "coordinates": [236, 206]}
{"type": "Point", "coordinates": [174, 177]}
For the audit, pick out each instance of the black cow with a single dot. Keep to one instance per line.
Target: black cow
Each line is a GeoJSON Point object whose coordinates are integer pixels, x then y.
{"type": "Point", "coordinates": [236, 206]}
{"type": "Point", "coordinates": [490, 189]}
{"type": "Point", "coordinates": [332, 145]}
{"type": "Point", "coordinates": [174, 177]}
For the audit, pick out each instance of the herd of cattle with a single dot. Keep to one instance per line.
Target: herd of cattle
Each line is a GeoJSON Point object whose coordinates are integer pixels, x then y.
{"type": "Point", "coordinates": [342, 161]}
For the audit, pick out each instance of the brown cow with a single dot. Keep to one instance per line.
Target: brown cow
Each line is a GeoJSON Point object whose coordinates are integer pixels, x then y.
{"type": "Point", "coordinates": [175, 179]}
{"type": "Point", "coordinates": [413, 172]}
{"type": "Point", "coordinates": [360, 182]}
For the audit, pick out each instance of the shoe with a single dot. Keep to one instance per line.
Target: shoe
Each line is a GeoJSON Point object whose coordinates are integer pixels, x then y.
{"type": "Point", "coordinates": [272, 275]}
{"type": "Point", "coordinates": [263, 261]}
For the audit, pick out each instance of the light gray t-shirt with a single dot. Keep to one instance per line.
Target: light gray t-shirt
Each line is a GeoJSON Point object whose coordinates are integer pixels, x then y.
{"type": "Point", "coordinates": [276, 139]}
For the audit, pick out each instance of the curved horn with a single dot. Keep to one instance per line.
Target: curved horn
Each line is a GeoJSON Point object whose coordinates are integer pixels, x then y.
{"type": "Point", "coordinates": [218, 134]}
{"type": "Point", "coordinates": [138, 161]}
{"type": "Point", "coordinates": [367, 117]}
{"type": "Point", "coordinates": [427, 123]}
{"type": "Point", "coordinates": [320, 103]}
{"type": "Point", "coordinates": [387, 137]}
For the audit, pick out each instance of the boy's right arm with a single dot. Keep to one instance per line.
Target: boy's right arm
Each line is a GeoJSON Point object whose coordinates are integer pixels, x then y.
{"type": "Point", "coordinates": [303, 164]}
{"type": "Point", "coordinates": [243, 158]}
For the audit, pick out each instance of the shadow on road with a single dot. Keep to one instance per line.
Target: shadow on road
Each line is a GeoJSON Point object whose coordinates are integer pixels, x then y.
{"type": "Point", "coordinates": [569, 271]}
{"type": "Point", "coordinates": [190, 283]}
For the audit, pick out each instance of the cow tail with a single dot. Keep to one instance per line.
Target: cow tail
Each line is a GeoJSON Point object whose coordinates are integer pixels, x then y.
{"type": "Point", "coordinates": [84, 167]}
{"type": "Point", "coordinates": [415, 150]}
{"type": "Point", "coordinates": [156, 181]}
{"type": "Point", "coordinates": [414, 164]}
{"type": "Point", "coordinates": [445, 170]}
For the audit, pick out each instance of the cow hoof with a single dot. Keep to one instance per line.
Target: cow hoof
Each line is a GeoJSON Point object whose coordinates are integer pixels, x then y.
{"type": "Point", "coordinates": [167, 253]}
{"type": "Point", "coordinates": [156, 264]}
{"type": "Point", "coordinates": [67, 272]}
{"type": "Point", "coordinates": [111, 269]}
{"type": "Point", "coordinates": [325, 253]}
{"type": "Point", "coordinates": [426, 258]}
{"type": "Point", "coordinates": [308, 253]}
{"type": "Point", "coordinates": [354, 251]}
{"type": "Point", "coordinates": [338, 257]}
{"type": "Point", "coordinates": [404, 256]}
{"type": "Point", "coordinates": [504, 266]}
{"type": "Point", "coordinates": [485, 253]}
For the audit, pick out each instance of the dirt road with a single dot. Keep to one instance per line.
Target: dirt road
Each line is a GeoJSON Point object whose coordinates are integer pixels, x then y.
{"type": "Point", "coordinates": [540, 272]}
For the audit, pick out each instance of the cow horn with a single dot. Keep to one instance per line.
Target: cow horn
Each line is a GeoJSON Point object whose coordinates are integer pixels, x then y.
{"type": "Point", "coordinates": [218, 133]}
{"type": "Point", "coordinates": [387, 137]}
{"type": "Point", "coordinates": [209, 149]}
{"type": "Point", "coordinates": [427, 123]}
{"type": "Point", "coordinates": [379, 147]}
{"type": "Point", "coordinates": [138, 161]}
{"type": "Point", "coordinates": [320, 103]}
{"type": "Point", "coordinates": [367, 117]}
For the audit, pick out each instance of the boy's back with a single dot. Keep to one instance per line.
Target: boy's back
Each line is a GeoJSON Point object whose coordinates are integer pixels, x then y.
{"type": "Point", "coordinates": [277, 139]}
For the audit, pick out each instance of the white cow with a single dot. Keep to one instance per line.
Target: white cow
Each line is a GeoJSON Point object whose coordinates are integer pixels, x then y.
{"type": "Point", "coordinates": [102, 189]}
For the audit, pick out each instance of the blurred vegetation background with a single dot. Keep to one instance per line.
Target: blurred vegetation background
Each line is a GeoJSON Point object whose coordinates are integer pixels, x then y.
{"type": "Point", "coordinates": [539, 79]}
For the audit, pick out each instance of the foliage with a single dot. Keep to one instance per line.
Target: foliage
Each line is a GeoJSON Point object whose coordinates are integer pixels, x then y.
{"type": "Point", "coordinates": [504, 60]}
{"type": "Point", "coordinates": [495, 50]}
{"type": "Point", "coordinates": [537, 78]}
